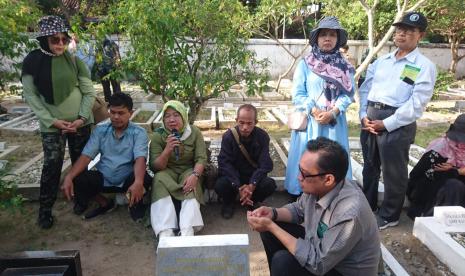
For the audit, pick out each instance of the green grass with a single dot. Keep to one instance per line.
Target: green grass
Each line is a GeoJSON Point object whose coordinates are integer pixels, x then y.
{"type": "Point", "coordinates": [427, 134]}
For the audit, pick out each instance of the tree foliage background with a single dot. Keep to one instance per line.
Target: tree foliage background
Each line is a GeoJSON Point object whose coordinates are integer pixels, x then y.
{"type": "Point", "coordinates": [16, 18]}
{"type": "Point", "coordinates": [188, 50]}
{"type": "Point", "coordinates": [447, 18]}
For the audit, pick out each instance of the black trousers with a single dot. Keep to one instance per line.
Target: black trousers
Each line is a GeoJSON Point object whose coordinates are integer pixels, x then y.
{"type": "Point", "coordinates": [225, 189]}
{"type": "Point", "coordinates": [106, 88]}
{"type": "Point", "coordinates": [280, 260]}
{"type": "Point", "coordinates": [88, 184]}
{"type": "Point", "coordinates": [54, 152]}
{"type": "Point", "coordinates": [387, 152]}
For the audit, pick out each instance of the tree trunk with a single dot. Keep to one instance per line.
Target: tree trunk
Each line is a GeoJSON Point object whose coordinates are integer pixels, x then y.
{"type": "Point", "coordinates": [290, 67]}
{"type": "Point", "coordinates": [454, 49]}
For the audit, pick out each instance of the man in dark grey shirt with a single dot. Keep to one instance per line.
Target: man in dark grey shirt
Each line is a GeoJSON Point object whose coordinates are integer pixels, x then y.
{"type": "Point", "coordinates": [330, 229]}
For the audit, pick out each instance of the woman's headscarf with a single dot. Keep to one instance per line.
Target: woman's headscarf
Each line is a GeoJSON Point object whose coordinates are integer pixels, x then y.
{"type": "Point", "coordinates": [331, 66]}
{"type": "Point", "coordinates": [452, 145]}
{"type": "Point", "coordinates": [181, 109]}
{"type": "Point", "coordinates": [55, 77]}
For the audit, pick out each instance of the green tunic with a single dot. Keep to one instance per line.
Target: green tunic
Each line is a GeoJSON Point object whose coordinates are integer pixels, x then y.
{"type": "Point", "coordinates": [78, 103]}
{"type": "Point", "coordinates": [170, 180]}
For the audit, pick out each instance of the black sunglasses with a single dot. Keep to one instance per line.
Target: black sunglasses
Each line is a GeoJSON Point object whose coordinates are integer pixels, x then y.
{"type": "Point", "coordinates": [310, 175]}
{"type": "Point", "coordinates": [56, 40]}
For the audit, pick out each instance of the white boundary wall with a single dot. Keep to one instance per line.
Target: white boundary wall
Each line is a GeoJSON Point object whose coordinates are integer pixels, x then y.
{"type": "Point", "coordinates": [439, 53]}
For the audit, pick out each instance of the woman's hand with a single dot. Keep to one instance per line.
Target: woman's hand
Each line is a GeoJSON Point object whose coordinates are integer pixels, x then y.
{"type": "Point", "coordinates": [74, 126]}
{"type": "Point", "coordinates": [171, 143]}
{"type": "Point", "coordinates": [461, 171]}
{"type": "Point", "coordinates": [190, 184]}
{"type": "Point", "coordinates": [63, 125]}
{"type": "Point", "coordinates": [443, 167]}
{"type": "Point", "coordinates": [315, 112]}
{"type": "Point", "coordinates": [324, 117]}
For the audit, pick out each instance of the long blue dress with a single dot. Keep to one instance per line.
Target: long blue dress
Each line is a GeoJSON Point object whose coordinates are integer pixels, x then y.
{"type": "Point", "coordinates": [306, 94]}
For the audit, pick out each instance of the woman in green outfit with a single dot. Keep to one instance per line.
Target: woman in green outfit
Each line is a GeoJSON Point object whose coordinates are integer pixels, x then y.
{"type": "Point", "coordinates": [57, 87]}
{"type": "Point", "coordinates": [178, 156]}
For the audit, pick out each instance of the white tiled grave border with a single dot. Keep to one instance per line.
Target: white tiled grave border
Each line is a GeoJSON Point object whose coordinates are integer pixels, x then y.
{"type": "Point", "coordinates": [209, 123]}
{"type": "Point", "coordinates": [16, 120]}
{"type": "Point", "coordinates": [435, 235]}
{"type": "Point", "coordinates": [227, 123]}
{"type": "Point", "coordinates": [16, 127]}
{"type": "Point", "coordinates": [31, 190]}
{"type": "Point", "coordinates": [147, 125]}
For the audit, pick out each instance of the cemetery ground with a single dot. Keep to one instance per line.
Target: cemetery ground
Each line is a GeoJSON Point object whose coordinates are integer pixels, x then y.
{"type": "Point", "coordinates": [113, 244]}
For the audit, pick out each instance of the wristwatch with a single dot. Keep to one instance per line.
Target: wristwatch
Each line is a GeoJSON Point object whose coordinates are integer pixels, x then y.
{"type": "Point", "coordinates": [196, 173]}
{"type": "Point", "coordinates": [84, 120]}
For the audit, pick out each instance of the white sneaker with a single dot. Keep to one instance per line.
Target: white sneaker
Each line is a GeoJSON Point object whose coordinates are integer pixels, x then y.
{"type": "Point", "coordinates": [187, 231]}
{"type": "Point", "coordinates": [166, 233]}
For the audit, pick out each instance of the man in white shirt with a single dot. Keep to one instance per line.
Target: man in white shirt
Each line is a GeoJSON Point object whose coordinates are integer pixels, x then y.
{"type": "Point", "coordinates": [396, 90]}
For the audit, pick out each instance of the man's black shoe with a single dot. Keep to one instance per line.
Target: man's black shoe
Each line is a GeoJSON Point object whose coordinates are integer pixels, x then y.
{"type": "Point", "coordinates": [227, 211]}
{"type": "Point", "coordinates": [137, 211]}
{"type": "Point", "coordinates": [78, 209]}
{"type": "Point", "coordinates": [45, 220]}
{"type": "Point", "coordinates": [101, 210]}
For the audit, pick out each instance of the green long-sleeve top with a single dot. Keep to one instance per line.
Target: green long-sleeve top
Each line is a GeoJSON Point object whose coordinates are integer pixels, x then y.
{"type": "Point", "coordinates": [191, 152]}
{"type": "Point", "coordinates": [78, 103]}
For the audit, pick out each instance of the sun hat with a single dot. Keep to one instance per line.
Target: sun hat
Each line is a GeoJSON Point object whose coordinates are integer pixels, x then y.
{"type": "Point", "coordinates": [52, 24]}
{"type": "Point", "coordinates": [329, 22]}
{"type": "Point", "coordinates": [456, 130]}
{"type": "Point", "coordinates": [413, 19]}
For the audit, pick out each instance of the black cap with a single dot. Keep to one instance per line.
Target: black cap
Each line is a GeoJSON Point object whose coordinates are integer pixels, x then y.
{"type": "Point", "coordinates": [413, 19]}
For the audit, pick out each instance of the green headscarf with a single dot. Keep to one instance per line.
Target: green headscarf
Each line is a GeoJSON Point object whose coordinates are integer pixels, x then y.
{"type": "Point", "coordinates": [181, 109]}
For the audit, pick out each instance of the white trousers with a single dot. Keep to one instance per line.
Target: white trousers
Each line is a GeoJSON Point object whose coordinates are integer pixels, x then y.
{"type": "Point", "coordinates": [163, 215]}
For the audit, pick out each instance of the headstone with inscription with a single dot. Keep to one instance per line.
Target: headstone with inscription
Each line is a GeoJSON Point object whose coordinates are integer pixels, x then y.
{"type": "Point", "coordinates": [207, 255]}
{"type": "Point", "coordinates": [450, 215]}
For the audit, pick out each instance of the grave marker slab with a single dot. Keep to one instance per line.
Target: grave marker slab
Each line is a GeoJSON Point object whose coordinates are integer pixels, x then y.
{"type": "Point", "coordinates": [203, 255]}
{"type": "Point", "coordinates": [435, 235]}
{"type": "Point", "coordinates": [21, 109]}
{"type": "Point", "coordinates": [29, 259]}
{"type": "Point", "coordinates": [450, 215]}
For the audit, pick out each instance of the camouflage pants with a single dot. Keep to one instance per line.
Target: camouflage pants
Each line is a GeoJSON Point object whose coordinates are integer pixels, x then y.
{"type": "Point", "coordinates": [54, 151]}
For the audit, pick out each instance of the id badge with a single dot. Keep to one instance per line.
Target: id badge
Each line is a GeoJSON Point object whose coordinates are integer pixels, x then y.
{"type": "Point", "coordinates": [409, 74]}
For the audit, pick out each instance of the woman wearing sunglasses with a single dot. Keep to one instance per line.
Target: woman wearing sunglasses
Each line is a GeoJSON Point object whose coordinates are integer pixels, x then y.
{"type": "Point", "coordinates": [58, 88]}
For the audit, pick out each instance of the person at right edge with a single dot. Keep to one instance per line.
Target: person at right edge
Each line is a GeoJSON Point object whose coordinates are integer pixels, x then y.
{"type": "Point", "coordinates": [396, 90]}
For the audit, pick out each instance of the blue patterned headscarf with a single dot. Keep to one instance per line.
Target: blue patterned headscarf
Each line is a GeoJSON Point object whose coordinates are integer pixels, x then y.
{"type": "Point", "coordinates": [331, 66]}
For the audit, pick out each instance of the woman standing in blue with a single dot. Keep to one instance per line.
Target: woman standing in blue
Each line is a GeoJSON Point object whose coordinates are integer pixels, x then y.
{"type": "Point", "coordinates": [324, 88]}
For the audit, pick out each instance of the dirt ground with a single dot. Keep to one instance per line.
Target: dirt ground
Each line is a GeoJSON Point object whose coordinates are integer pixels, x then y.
{"type": "Point", "coordinates": [114, 245]}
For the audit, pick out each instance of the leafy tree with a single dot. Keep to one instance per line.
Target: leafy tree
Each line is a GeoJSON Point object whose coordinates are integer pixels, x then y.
{"type": "Point", "coordinates": [16, 17]}
{"type": "Point", "coordinates": [447, 18]}
{"type": "Point", "coordinates": [189, 50]}
{"type": "Point", "coordinates": [354, 19]}
{"type": "Point", "coordinates": [272, 18]}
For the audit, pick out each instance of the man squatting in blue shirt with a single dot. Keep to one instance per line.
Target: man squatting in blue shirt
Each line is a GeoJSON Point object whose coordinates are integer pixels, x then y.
{"type": "Point", "coordinates": [397, 88]}
{"type": "Point", "coordinates": [123, 148]}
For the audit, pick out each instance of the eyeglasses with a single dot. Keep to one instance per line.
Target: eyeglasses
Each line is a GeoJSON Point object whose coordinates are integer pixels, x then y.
{"type": "Point", "coordinates": [406, 30]}
{"type": "Point", "coordinates": [56, 40]}
{"type": "Point", "coordinates": [310, 175]}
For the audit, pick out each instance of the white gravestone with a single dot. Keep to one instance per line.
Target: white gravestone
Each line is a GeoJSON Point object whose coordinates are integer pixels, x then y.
{"type": "Point", "coordinates": [450, 215]}
{"type": "Point", "coordinates": [203, 255]}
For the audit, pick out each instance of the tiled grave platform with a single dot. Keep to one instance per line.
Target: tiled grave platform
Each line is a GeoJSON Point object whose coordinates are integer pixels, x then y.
{"type": "Point", "coordinates": [145, 117]}
{"type": "Point", "coordinates": [435, 234]}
